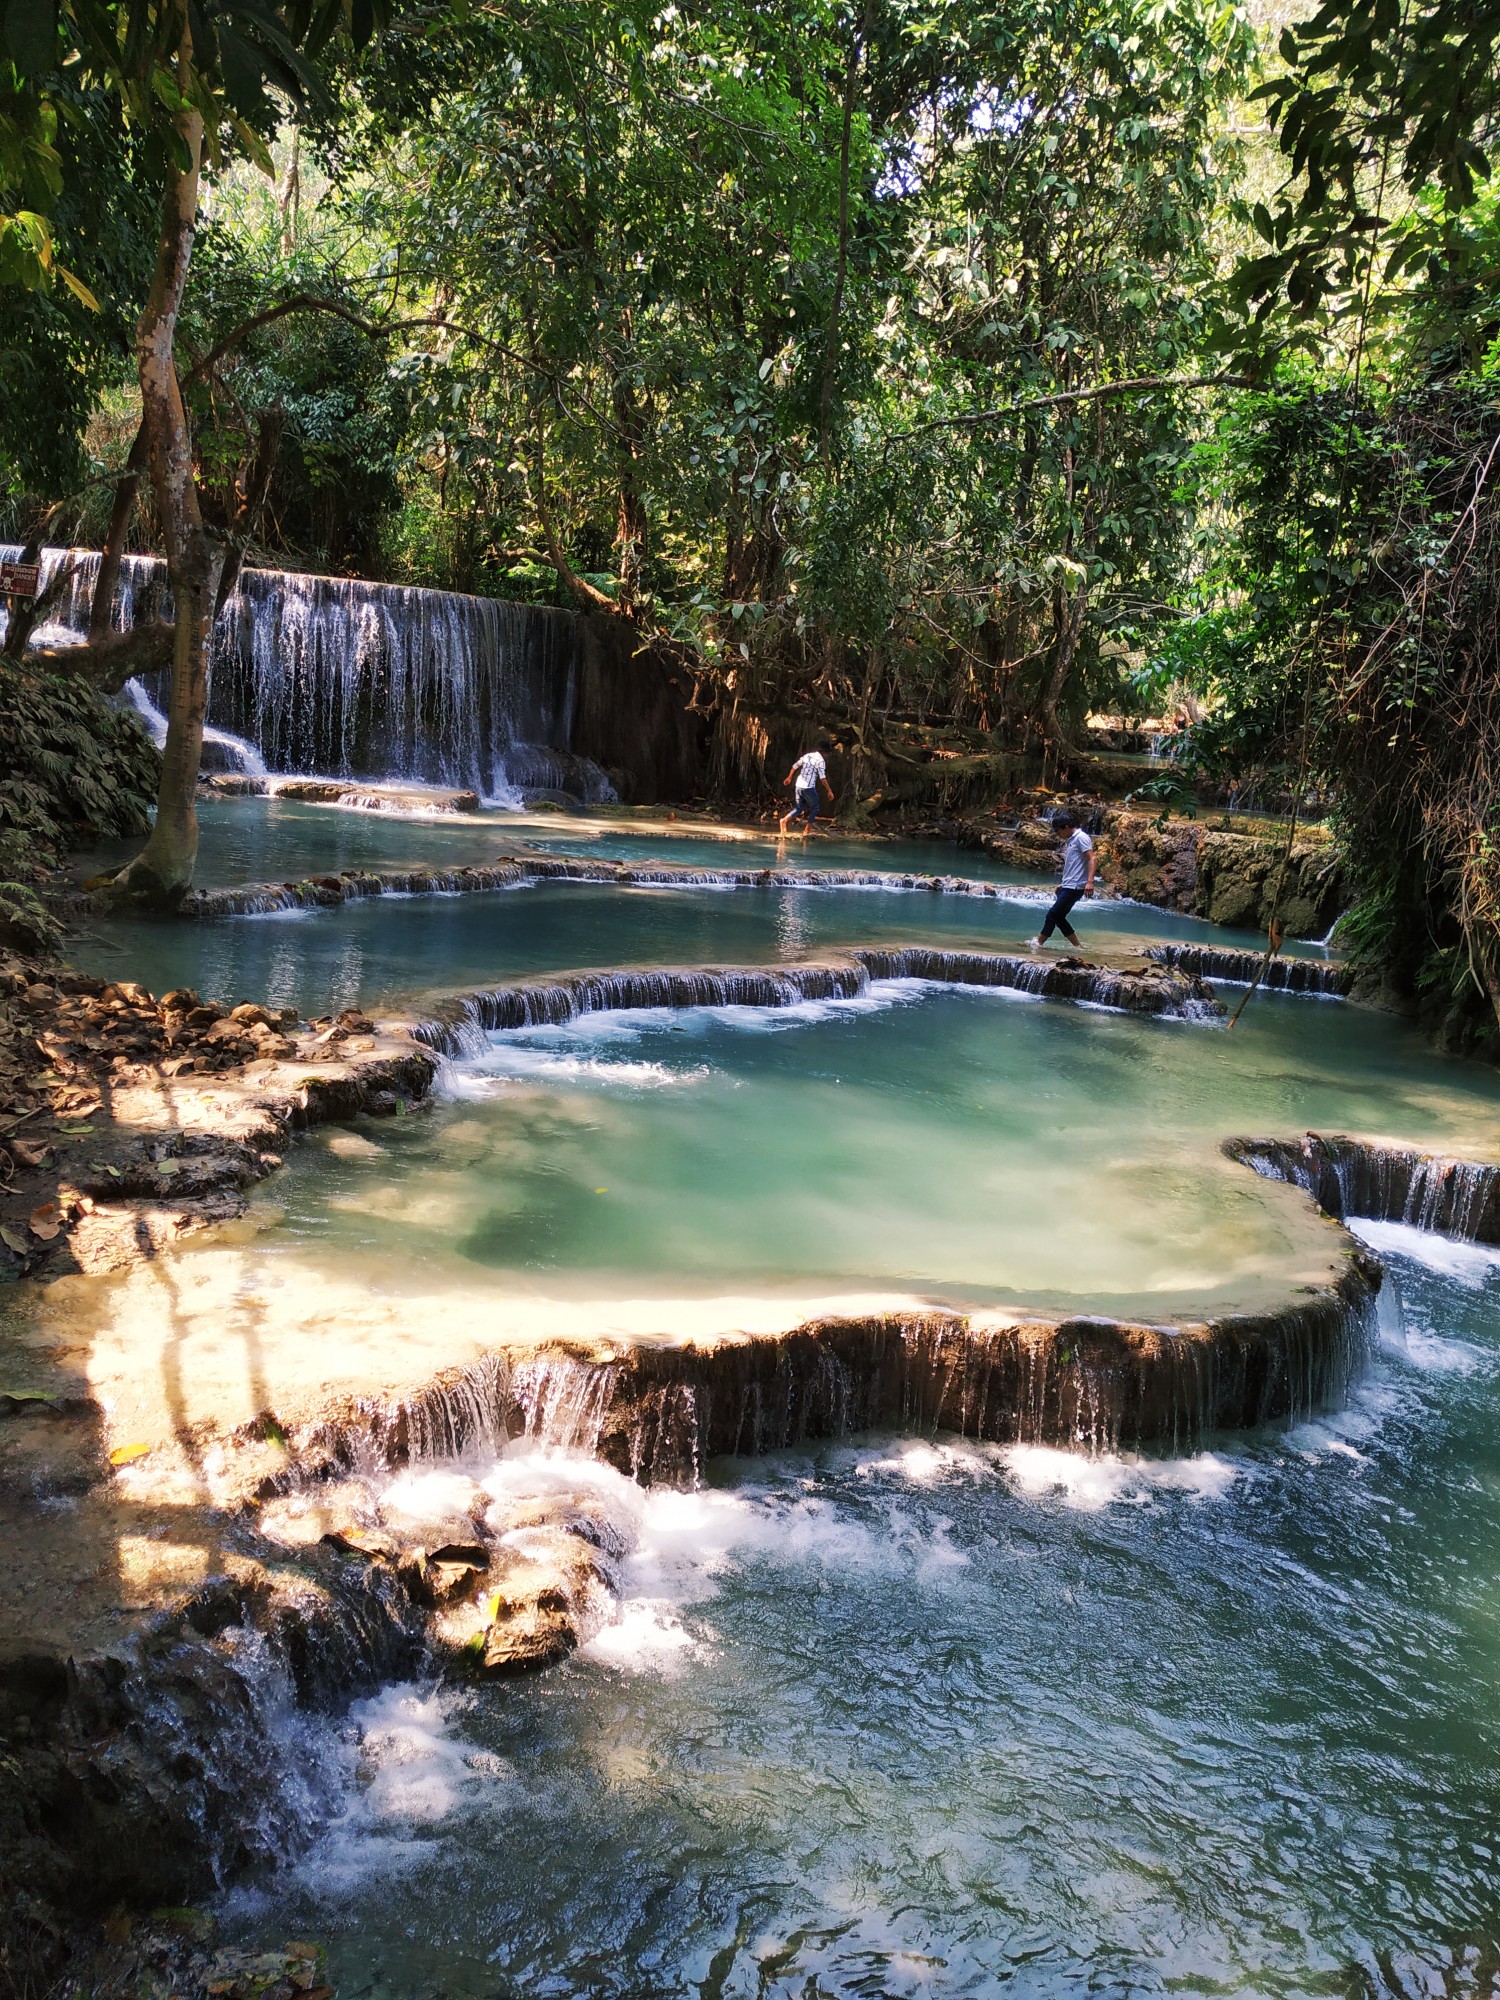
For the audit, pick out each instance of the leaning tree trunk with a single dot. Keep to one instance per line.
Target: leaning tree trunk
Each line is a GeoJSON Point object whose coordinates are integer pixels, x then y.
{"type": "Point", "coordinates": [1067, 627]}
{"type": "Point", "coordinates": [101, 612]}
{"type": "Point", "coordinates": [195, 558]}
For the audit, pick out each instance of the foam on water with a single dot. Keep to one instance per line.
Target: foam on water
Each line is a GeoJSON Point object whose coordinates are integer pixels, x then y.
{"type": "Point", "coordinates": [1350, 1432]}
{"type": "Point", "coordinates": [484, 1075]}
{"type": "Point", "coordinates": [426, 1496]}
{"type": "Point", "coordinates": [1469, 1264]}
{"type": "Point", "coordinates": [559, 1052]}
{"type": "Point", "coordinates": [879, 995]}
{"type": "Point", "coordinates": [529, 1469]}
{"type": "Point", "coordinates": [1434, 1355]}
{"type": "Point", "coordinates": [407, 1774]}
{"type": "Point", "coordinates": [685, 1541]}
{"type": "Point", "coordinates": [1087, 1482]}
{"type": "Point", "coordinates": [1090, 1484]}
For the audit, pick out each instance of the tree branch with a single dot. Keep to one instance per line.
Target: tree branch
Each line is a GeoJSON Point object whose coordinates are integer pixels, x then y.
{"type": "Point", "coordinates": [112, 660]}
{"type": "Point", "coordinates": [314, 302]}
{"type": "Point", "coordinates": [1135, 385]}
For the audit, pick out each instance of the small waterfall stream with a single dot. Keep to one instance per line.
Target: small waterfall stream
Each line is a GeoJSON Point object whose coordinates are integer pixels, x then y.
{"type": "Point", "coordinates": [1356, 1177]}
{"type": "Point", "coordinates": [341, 678]}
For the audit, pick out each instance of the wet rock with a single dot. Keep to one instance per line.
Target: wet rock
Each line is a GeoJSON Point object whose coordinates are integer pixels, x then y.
{"type": "Point", "coordinates": [552, 1588]}
{"type": "Point", "coordinates": [370, 1543]}
{"type": "Point", "coordinates": [531, 1624]}
{"type": "Point", "coordinates": [580, 1515]}
{"type": "Point", "coordinates": [444, 1575]}
{"type": "Point", "coordinates": [269, 1975]}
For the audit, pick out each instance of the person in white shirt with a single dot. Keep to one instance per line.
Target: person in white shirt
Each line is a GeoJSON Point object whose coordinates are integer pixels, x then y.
{"type": "Point", "coordinates": [809, 771]}
{"type": "Point", "coordinates": [1078, 864]}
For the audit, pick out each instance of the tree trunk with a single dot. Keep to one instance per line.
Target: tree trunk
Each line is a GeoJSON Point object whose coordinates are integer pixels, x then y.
{"type": "Point", "coordinates": [841, 263]}
{"type": "Point", "coordinates": [25, 613]}
{"type": "Point", "coordinates": [630, 527]}
{"type": "Point", "coordinates": [195, 558]}
{"type": "Point", "coordinates": [1068, 610]}
{"type": "Point", "coordinates": [100, 623]}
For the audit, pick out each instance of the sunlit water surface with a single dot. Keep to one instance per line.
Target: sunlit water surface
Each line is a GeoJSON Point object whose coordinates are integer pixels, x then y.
{"type": "Point", "coordinates": [912, 1717]}
{"type": "Point", "coordinates": [966, 1146]}
{"type": "Point", "coordinates": [277, 840]}
{"type": "Point", "coordinates": [392, 948]}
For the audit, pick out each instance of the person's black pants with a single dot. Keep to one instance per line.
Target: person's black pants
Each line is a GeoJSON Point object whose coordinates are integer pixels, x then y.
{"type": "Point", "coordinates": [1062, 909]}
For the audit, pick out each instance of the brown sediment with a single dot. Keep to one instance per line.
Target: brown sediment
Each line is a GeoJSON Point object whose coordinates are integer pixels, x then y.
{"type": "Point", "coordinates": [128, 1122]}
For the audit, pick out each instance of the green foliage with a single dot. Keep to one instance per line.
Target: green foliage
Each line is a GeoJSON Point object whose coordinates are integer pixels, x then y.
{"type": "Point", "coordinates": [59, 355]}
{"type": "Point", "coordinates": [25, 921]}
{"type": "Point", "coordinates": [1387, 112]}
{"type": "Point", "coordinates": [312, 391]}
{"type": "Point", "coordinates": [1355, 650]}
{"type": "Point", "coordinates": [686, 370]}
{"type": "Point", "coordinates": [72, 769]}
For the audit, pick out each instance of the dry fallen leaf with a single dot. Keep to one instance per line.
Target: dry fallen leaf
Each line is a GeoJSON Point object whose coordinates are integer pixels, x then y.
{"type": "Point", "coordinates": [45, 1221]}
{"type": "Point", "coordinates": [30, 1152]}
{"type": "Point", "coordinates": [127, 1454]}
{"type": "Point", "coordinates": [14, 1240]}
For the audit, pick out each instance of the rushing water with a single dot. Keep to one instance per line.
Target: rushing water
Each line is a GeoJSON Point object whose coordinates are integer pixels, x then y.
{"type": "Point", "coordinates": [337, 676]}
{"type": "Point", "coordinates": [914, 1718]}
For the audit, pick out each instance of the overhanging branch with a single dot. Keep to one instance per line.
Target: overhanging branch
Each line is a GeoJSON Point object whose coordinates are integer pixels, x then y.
{"type": "Point", "coordinates": [1134, 385]}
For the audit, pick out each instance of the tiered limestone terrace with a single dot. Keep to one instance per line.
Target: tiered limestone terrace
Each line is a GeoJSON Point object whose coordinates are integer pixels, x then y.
{"type": "Point", "coordinates": [189, 1444]}
{"type": "Point", "coordinates": [509, 871]}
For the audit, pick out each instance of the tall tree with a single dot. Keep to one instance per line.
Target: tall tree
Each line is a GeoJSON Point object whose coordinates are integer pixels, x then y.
{"type": "Point", "coordinates": [193, 79]}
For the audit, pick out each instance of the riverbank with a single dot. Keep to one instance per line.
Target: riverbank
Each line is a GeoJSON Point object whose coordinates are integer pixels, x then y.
{"type": "Point", "coordinates": [128, 1122]}
{"type": "Point", "coordinates": [1206, 867]}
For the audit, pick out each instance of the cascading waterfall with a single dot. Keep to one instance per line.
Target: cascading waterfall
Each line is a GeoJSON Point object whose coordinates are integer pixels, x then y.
{"type": "Point", "coordinates": [465, 1020]}
{"type": "Point", "coordinates": [334, 676]}
{"type": "Point", "coordinates": [1242, 968]}
{"type": "Point", "coordinates": [1386, 1183]}
{"type": "Point", "coordinates": [221, 751]}
{"type": "Point", "coordinates": [656, 1413]}
{"type": "Point", "coordinates": [354, 885]}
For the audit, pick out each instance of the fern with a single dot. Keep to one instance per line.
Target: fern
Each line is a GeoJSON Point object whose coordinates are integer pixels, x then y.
{"type": "Point", "coordinates": [25, 922]}
{"type": "Point", "coordinates": [75, 771]}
